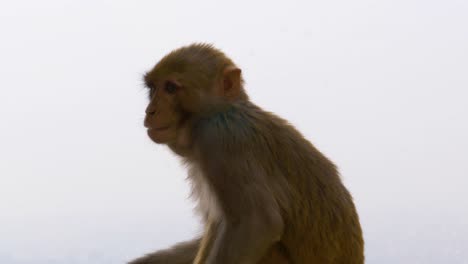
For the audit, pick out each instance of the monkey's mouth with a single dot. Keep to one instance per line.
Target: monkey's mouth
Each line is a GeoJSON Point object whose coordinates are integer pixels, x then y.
{"type": "Point", "coordinates": [160, 128]}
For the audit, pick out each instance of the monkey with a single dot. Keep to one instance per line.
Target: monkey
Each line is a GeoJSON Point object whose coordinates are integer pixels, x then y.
{"type": "Point", "coordinates": [265, 194]}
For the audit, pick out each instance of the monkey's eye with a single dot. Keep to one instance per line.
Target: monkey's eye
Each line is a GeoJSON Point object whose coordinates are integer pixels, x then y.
{"type": "Point", "coordinates": [170, 87]}
{"type": "Point", "coordinates": [151, 92]}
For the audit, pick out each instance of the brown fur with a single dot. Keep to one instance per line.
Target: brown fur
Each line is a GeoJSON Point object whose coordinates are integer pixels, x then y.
{"type": "Point", "coordinates": [266, 194]}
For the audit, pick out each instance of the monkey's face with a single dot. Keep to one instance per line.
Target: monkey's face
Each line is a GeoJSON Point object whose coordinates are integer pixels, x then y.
{"type": "Point", "coordinates": [163, 114]}
{"type": "Point", "coordinates": [176, 98]}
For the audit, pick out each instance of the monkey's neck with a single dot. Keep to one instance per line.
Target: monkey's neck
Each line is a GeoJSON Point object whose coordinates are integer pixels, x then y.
{"type": "Point", "coordinates": [183, 145]}
{"type": "Point", "coordinates": [180, 150]}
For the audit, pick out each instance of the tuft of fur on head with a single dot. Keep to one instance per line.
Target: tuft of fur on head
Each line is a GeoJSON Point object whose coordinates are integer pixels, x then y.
{"type": "Point", "coordinates": [200, 56]}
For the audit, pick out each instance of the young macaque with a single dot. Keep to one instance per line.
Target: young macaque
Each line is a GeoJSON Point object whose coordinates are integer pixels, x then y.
{"type": "Point", "coordinates": [265, 193]}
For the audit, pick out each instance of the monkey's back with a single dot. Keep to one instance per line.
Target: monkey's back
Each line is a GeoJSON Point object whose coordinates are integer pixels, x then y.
{"type": "Point", "coordinates": [321, 222]}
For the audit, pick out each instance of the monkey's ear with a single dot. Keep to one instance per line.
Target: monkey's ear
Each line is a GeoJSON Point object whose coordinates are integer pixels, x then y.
{"type": "Point", "coordinates": [232, 83]}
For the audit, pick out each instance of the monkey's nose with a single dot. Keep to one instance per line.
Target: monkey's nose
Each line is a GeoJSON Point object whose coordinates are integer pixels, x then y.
{"type": "Point", "coordinates": [150, 111]}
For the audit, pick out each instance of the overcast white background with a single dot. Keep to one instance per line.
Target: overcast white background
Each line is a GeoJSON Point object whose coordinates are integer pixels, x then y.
{"type": "Point", "coordinates": [379, 86]}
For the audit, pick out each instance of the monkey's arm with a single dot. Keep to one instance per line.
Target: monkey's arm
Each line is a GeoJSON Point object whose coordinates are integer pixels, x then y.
{"type": "Point", "coordinates": [251, 224]}
{"type": "Point", "coordinates": [206, 243]}
{"type": "Point", "coordinates": [182, 253]}
{"type": "Point", "coordinates": [251, 221]}
{"type": "Point", "coordinates": [246, 241]}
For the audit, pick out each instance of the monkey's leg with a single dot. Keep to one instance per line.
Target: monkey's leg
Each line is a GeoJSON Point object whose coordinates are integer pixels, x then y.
{"type": "Point", "coordinates": [182, 253]}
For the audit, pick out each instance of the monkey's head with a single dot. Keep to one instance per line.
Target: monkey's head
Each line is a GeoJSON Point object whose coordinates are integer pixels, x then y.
{"type": "Point", "coordinates": [186, 84]}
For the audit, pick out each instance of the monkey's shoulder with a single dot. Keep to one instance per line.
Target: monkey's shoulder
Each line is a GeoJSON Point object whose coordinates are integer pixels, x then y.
{"type": "Point", "coordinates": [235, 127]}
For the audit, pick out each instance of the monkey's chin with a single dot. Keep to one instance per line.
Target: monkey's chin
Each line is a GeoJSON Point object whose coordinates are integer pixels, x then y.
{"type": "Point", "coordinates": [160, 136]}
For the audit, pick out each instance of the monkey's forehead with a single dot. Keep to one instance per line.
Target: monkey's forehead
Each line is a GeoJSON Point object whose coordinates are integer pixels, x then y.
{"type": "Point", "coordinates": [182, 70]}
{"type": "Point", "coordinates": [162, 72]}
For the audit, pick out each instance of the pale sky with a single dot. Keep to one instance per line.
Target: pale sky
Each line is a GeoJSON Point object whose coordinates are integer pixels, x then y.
{"type": "Point", "coordinates": [381, 87]}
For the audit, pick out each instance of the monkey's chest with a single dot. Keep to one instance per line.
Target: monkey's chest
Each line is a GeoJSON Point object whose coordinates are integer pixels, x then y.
{"type": "Point", "coordinates": [207, 201]}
